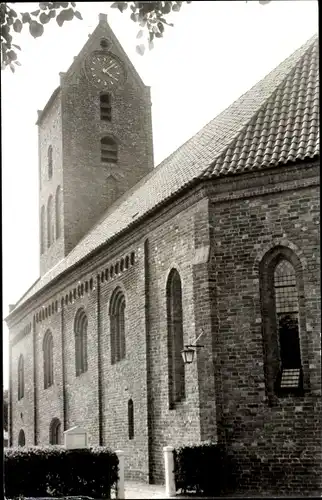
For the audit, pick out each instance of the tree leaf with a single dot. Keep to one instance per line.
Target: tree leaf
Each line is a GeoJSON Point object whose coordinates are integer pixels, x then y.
{"type": "Point", "coordinates": [17, 25]}
{"type": "Point", "coordinates": [17, 63]}
{"type": "Point", "coordinates": [166, 9]}
{"type": "Point", "coordinates": [158, 35]}
{"type": "Point", "coordinates": [73, 4]}
{"type": "Point", "coordinates": [67, 15]}
{"type": "Point", "coordinates": [43, 5]}
{"type": "Point", "coordinates": [140, 33]}
{"type": "Point", "coordinates": [59, 20]}
{"type": "Point", "coordinates": [140, 49]}
{"type": "Point", "coordinates": [44, 18]}
{"type": "Point", "coordinates": [35, 13]}
{"type": "Point", "coordinates": [12, 55]}
{"type": "Point", "coordinates": [64, 5]}
{"type": "Point", "coordinates": [52, 13]}
{"type": "Point", "coordinates": [36, 29]}
{"type": "Point", "coordinates": [134, 17]}
{"type": "Point", "coordinates": [78, 14]}
{"type": "Point", "coordinates": [151, 45]}
{"type": "Point", "coordinates": [12, 68]}
{"type": "Point", "coordinates": [16, 46]}
{"type": "Point", "coordinates": [25, 17]}
{"type": "Point", "coordinates": [175, 7]}
{"type": "Point", "coordinates": [13, 13]}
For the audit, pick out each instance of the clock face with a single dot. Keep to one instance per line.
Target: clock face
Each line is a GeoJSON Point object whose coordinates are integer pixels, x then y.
{"type": "Point", "coordinates": [105, 70]}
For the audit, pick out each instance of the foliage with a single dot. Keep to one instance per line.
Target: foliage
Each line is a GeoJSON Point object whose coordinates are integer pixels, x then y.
{"type": "Point", "coordinates": [5, 409]}
{"type": "Point", "coordinates": [202, 468]}
{"type": "Point", "coordinates": [55, 471]}
{"type": "Point", "coordinates": [12, 21]}
{"type": "Point", "coordinates": [151, 16]}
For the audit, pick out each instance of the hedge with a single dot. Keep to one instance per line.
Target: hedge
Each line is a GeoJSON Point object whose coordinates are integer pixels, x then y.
{"type": "Point", "coordinates": [202, 468]}
{"type": "Point", "coordinates": [53, 471]}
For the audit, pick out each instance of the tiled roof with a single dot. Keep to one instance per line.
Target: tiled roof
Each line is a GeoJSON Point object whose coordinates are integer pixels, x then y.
{"type": "Point", "coordinates": [275, 122]}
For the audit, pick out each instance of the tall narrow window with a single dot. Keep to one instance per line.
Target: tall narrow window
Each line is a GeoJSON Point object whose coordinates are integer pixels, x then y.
{"type": "Point", "coordinates": [21, 438]}
{"type": "Point", "coordinates": [21, 378]}
{"type": "Point", "coordinates": [42, 230]}
{"type": "Point", "coordinates": [58, 206]}
{"type": "Point", "coordinates": [105, 107]}
{"type": "Point", "coordinates": [287, 319]}
{"type": "Point", "coordinates": [130, 413]}
{"type": "Point", "coordinates": [108, 150]}
{"type": "Point", "coordinates": [80, 330]}
{"type": "Point", "coordinates": [48, 359]}
{"type": "Point", "coordinates": [55, 431]}
{"type": "Point", "coordinates": [50, 221]}
{"type": "Point", "coordinates": [175, 339]}
{"type": "Point", "coordinates": [50, 162]}
{"type": "Point", "coordinates": [117, 326]}
{"type": "Point", "coordinates": [280, 273]}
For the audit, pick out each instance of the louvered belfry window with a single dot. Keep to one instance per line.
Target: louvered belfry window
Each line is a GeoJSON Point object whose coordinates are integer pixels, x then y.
{"type": "Point", "coordinates": [108, 150]}
{"type": "Point", "coordinates": [105, 107]}
{"type": "Point", "coordinates": [287, 318]}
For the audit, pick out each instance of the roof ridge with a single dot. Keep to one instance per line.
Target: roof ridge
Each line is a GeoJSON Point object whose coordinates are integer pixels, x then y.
{"type": "Point", "coordinates": [309, 45]}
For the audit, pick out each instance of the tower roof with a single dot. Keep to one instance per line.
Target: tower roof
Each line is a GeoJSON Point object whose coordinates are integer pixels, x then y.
{"type": "Point", "coordinates": [276, 122]}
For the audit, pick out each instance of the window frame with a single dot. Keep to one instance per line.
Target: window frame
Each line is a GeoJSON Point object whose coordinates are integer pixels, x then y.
{"type": "Point", "coordinates": [117, 314]}
{"type": "Point", "coordinates": [270, 332]}
{"type": "Point", "coordinates": [80, 334]}
{"type": "Point", "coordinates": [21, 377]}
{"type": "Point", "coordinates": [48, 359]}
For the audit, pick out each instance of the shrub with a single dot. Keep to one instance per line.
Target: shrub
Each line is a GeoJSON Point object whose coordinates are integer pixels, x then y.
{"type": "Point", "coordinates": [203, 468]}
{"type": "Point", "coordinates": [54, 471]}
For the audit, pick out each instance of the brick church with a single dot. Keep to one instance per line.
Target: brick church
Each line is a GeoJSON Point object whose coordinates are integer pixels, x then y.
{"type": "Point", "coordinates": [222, 238]}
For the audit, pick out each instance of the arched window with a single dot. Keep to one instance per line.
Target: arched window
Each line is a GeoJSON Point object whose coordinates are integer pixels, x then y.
{"type": "Point", "coordinates": [42, 230]}
{"type": "Point", "coordinates": [80, 330]}
{"type": "Point", "coordinates": [58, 206]}
{"type": "Point", "coordinates": [105, 107]}
{"type": "Point", "coordinates": [55, 431]}
{"type": "Point", "coordinates": [108, 150]}
{"type": "Point", "coordinates": [175, 339]}
{"type": "Point", "coordinates": [280, 273]}
{"type": "Point", "coordinates": [50, 162]}
{"type": "Point", "coordinates": [21, 378]}
{"type": "Point", "coordinates": [117, 326]}
{"type": "Point", "coordinates": [48, 360]}
{"type": "Point", "coordinates": [130, 413]}
{"type": "Point", "coordinates": [21, 438]}
{"type": "Point", "coordinates": [50, 221]}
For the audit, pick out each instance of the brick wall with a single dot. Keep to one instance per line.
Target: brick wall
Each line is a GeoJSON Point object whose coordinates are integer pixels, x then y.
{"type": "Point", "coordinates": [285, 438]}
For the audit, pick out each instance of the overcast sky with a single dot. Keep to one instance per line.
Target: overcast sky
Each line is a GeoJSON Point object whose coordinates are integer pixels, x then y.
{"type": "Point", "coordinates": [215, 52]}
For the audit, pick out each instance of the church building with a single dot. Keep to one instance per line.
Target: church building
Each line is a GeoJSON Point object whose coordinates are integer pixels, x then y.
{"type": "Point", "coordinates": [220, 241]}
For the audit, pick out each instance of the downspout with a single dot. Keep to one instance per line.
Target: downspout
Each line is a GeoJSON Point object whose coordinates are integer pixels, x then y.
{"type": "Point", "coordinates": [62, 316]}
{"type": "Point", "coordinates": [148, 354]}
{"type": "Point", "coordinates": [99, 367]}
{"type": "Point", "coordinates": [35, 379]}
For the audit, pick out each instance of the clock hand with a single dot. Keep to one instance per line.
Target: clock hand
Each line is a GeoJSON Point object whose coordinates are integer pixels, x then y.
{"type": "Point", "coordinates": [110, 67]}
{"type": "Point", "coordinates": [111, 76]}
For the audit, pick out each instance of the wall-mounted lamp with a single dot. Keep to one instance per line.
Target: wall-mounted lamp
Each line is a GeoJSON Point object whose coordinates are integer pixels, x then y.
{"type": "Point", "coordinates": [188, 353]}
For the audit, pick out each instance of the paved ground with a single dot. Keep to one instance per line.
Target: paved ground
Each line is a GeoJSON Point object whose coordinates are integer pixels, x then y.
{"type": "Point", "coordinates": [138, 490]}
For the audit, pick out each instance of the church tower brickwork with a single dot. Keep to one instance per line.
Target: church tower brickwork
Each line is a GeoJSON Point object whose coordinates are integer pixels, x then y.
{"type": "Point", "coordinates": [95, 143]}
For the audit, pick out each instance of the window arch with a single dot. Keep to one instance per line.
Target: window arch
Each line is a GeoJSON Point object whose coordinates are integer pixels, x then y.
{"type": "Point", "coordinates": [80, 330]}
{"type": "Point", "coordinates": [42, 230]}
{"type": "Point", "coordinates": [50, 221]}
{"type": "Point", "coordinates": [48, 359]}
{"type": "Point", "coordinates": [55, 431]}
{"type": "Point", "coordinates": [21, 438]}
{"type": "Point", "coordinates": [283, 322]}
{"type": "Point", "coordinates": [50, 162]}
{"type": "Point", "coordinates": [117, 325]}
{"type": "Point", "coordinates": [108, 150]}
{"type": "Point", "coordinates": [130, 413]}
{"type": "Point", "coordinates": [176, 369]}
{"type": "Point", "coordinates": [58, 206]}
{"type": "Point", "coordinates": [21, 378]}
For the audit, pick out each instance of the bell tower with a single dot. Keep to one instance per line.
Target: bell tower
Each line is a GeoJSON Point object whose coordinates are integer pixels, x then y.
{"type": "Point", "coordinates": [95, 143]}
